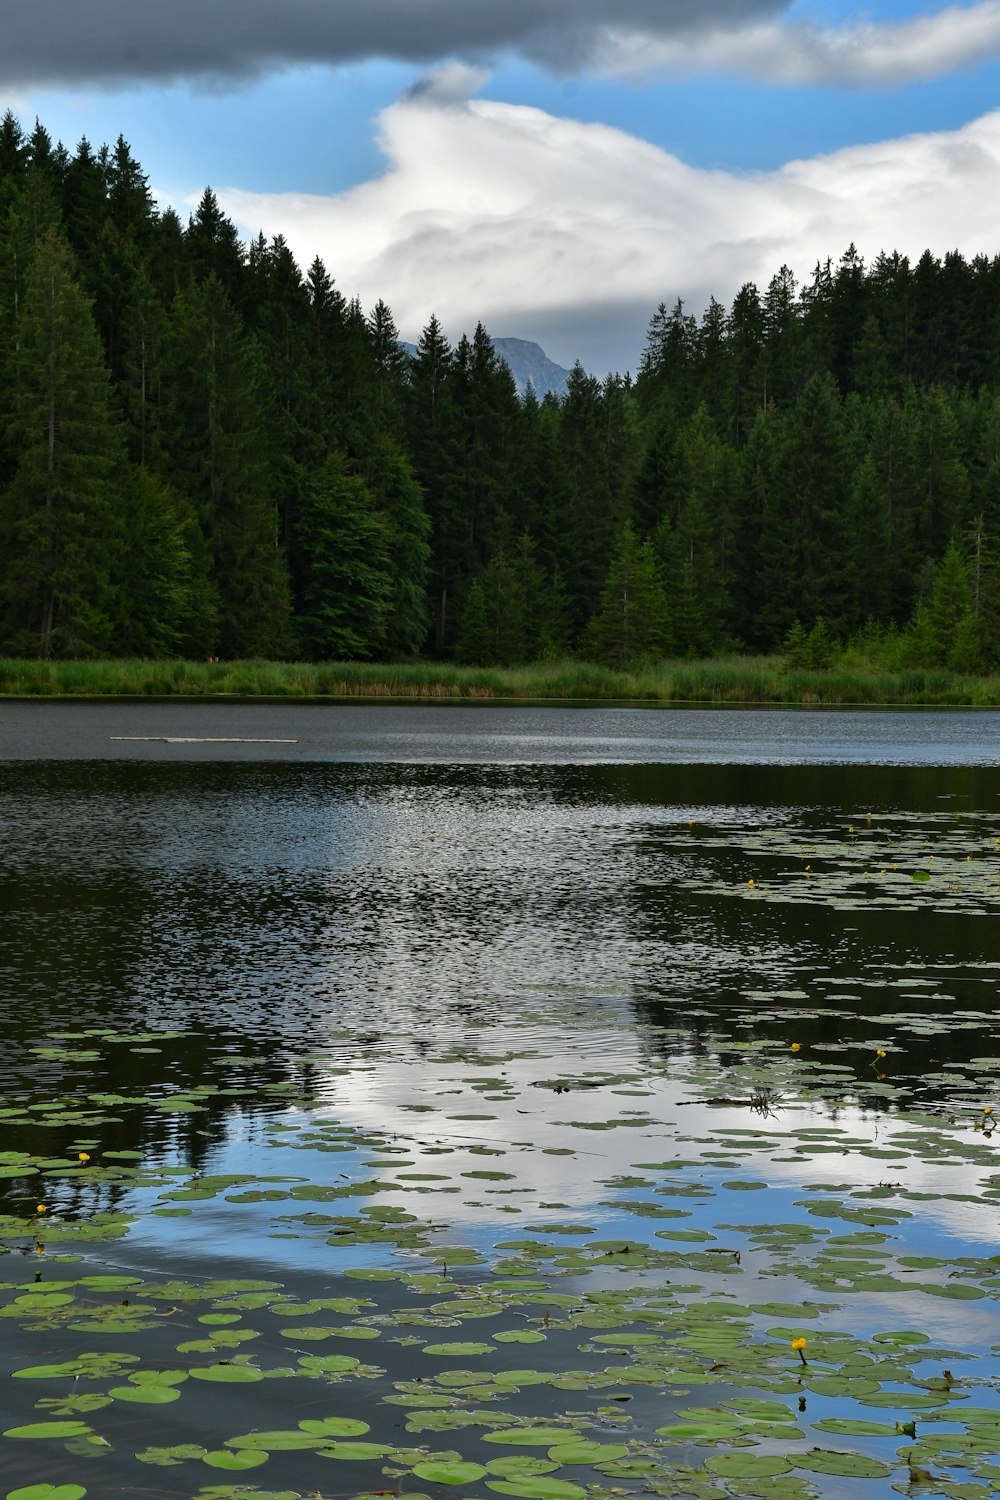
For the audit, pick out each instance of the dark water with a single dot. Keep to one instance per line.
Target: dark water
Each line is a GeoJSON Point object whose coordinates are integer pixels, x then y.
{"type": "Point", "coordinates": [422, 927]}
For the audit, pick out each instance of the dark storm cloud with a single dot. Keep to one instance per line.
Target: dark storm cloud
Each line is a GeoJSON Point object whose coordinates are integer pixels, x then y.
{"type": "Point", "coordinates": [127, 41]}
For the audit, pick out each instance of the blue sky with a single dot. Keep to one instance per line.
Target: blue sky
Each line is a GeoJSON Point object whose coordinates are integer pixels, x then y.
{"type": "Point", "coordinates": [556, 168]}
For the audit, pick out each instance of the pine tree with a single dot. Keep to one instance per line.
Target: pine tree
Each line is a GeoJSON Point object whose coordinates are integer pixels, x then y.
{"type": "Point", "coordinates": [430, 428]}
{"type": "Point", "coordinates": [141, 386]}
{"type": "Point", "coordinates": [868, 554]}
{"type": "Point", "coordinates": [345, 542]}
{"type": "Point", "coordinates": [502, 590]}
{"type": "Point", "coordinates": [746, 393]}
{"type": "Point", "coordinates": [951, 614]}
{"type": "Point", "coordinates": [389, 362]}
{"type": "Point", "coordinates": [159, 603]}
{"type": "Point", "coordinates": [805, 570]}
{"type": "Point", "coordinates": [130, 203]}
{"type": "Point", "coordinates": [13, 155]}
{"type": "Point", "coordinates": [399, 497]}
{"type": "Point", "coordinates": [669, 358]}
{"type": "Point", "coordinates": [59, 562]}
{"type": "Point", "coordinates": [632, 619]}
{"type": "Point", "coordinates": [704, 534]}
{"type": "Point", "coordinates": [212, 246]}
{"type": "Point", "coordinates": [84, 204]}
{"type": "Point", "coordinates": [221, 459]}
{"type": "Point", "coordinates": [474, 643]}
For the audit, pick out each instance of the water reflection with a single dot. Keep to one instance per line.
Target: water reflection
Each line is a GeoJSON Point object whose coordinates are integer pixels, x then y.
{"type": "Point", "coordinates": [265, 906]}
{"type": "Point", "coordinates": [496, 1028]}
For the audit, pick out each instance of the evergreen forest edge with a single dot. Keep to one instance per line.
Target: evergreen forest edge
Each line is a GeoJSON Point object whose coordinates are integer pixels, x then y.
{"type": "Point", "coordinates": [204, 453]}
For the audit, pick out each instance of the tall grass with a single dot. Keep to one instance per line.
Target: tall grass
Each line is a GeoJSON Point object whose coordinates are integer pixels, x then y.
{"type": "Point", "coordinates": [723, 680]}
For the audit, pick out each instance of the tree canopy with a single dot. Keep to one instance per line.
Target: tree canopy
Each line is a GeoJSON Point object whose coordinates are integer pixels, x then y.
{"type": "Point", "coordinates": [205, 450]}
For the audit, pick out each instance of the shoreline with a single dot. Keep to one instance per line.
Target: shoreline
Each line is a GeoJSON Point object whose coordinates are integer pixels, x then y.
{"type": "Point", "coordinates": [725, 682]}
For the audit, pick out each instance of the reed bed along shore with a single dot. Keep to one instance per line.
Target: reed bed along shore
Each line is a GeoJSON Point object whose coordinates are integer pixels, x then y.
{"type": "Point", "coordinates": [731, 680]}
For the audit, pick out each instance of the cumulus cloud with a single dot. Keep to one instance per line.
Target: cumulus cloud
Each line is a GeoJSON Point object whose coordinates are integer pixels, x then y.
{"type": "Point", "coordinates": [55, 42]}
{"type": "Point", "coordinates": [571, 233]}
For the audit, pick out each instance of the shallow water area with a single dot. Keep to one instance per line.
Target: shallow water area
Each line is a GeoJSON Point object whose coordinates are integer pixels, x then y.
{"type": "Point", "coordinates": [498, 1125]}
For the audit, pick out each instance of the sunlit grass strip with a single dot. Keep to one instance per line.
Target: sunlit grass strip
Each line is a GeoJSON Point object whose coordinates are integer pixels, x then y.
{"type": "Point", "coordinates": [724, 680]}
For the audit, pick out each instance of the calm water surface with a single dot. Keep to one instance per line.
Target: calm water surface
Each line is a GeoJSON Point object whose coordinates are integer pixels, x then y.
{"type": "Point", "coordinates": [520, 735]}
{"type": "Point", "coordinates": [585, 1001]}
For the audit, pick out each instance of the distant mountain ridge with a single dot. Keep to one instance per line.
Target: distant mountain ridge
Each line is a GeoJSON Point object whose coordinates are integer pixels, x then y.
{"type": "Point", "coordinates": [529, 365]}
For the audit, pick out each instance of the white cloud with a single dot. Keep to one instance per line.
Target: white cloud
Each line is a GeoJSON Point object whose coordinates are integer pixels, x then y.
{"type": "Point", "coordinates": [772, 50]}
{"type": "Point", "coordinates": [571, 233]}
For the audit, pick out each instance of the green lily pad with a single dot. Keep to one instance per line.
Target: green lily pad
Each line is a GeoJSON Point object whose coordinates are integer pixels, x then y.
{"type": "Point", "coordinates": [748, 1465]}
{"type": "Point", "coordinates": [228, 1374]}
{"type": "Point", "coordinates": [849, 1465]}
{"type": "Point", "coordinates": [240, 1458]}
{"type": "Point", "coordinates": [539, 1487]}
{"type": "Point", "coordinates": [336, 1427]}
{"type": "Point", "coordinates": [274, 1442]}
{"type": "Point", "coordinates": [48, 1430]}
{"type": "Point", "coordinates": [458, 1350]}
{"type": "Point", "coordinates": [854, 1427]}
{"type": "Point", "coordinates": [520, 1463]}
{"type": "Point", "coordinates": [585, 1452]}
{"type": "Point", "coordinates": [445, 1472]}
{"type": "Point", "coordinates": [48, 1492]}
{"type": "Point", "coordinates": [533, 1437]}
{"type": "Point", "coordinates": [354, 1451]}
{"type": "Point", "coordinates": [145, 1395]}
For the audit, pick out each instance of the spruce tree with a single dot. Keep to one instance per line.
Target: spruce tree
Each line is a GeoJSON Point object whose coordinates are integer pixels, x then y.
{"type": "Point", "coordinates": [632, 618]}
{"type": "Point", "coordinates": [346, 587]}
{"type": "Point", "coordinates": [160, 604]}
{"type": "Point", "coordinates": [59, 523]}
{"type": "Point", "coordinates": [400, 500]}
{"type": "Point", "coordinates": [221, 458]}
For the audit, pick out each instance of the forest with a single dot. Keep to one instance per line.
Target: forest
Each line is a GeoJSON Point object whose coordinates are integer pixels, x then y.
{"type": "Point", "coordinates": [207, 451]}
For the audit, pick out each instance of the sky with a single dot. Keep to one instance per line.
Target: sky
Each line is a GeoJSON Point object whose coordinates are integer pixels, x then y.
{"type": "Point", "coordinates": [552, 168]}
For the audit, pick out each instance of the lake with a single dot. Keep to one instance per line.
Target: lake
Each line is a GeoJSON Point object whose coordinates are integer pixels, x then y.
{"type": "Point", "coordinates": [459, 1101]}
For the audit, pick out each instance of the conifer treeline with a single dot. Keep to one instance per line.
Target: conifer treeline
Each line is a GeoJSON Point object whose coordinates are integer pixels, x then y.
{"type": "Point", "coordinates": [204, 451]}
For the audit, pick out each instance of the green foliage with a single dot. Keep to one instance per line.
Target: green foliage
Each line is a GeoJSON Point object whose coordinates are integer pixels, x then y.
{"type": "Point", "coordinates": [346, 597]}
{"type": "Point", "coordinates": [632, 619]}
{"type": "Point", "coordinates": [59, 541]}
{"type": "Point", "coordinates": [813, 649]}
{"type": "Point", "coordinates": [158, 592]}
{"type": "Point", "coordinates": [807, 454]}
{"type": "Point", "coordinates": [221, 461]}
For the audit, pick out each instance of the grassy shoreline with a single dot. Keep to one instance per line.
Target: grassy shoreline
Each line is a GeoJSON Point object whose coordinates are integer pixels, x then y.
{"type": "Point", "coordinates": [736, 681]}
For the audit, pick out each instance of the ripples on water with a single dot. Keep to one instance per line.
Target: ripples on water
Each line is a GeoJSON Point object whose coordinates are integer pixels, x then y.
{"type": "Point", "coordinates": [474, 969]}
{"type": "Point", "coordinates": [276, 901]}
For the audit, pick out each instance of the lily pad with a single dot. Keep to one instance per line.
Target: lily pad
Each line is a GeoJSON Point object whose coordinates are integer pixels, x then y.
{"type": "Point", "coordinates": [48, 1430]}
{"type": "Point", "coordinates": [48, 1492]}
{"type": "Point", "coordinates": [539, 1487]}
{"type": "Point", "coordinates": [228, 1374]}
{"type": "Point", "coordinates": [445, 1472]}
{"type": "Point", "coordinates": [849, 1465]}
{"type": "Point", "coordinates": [241, 1458]}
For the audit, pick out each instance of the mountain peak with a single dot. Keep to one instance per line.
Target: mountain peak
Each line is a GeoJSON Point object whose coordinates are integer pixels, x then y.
{"type": "Point", "coordinates": [528, 363]}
